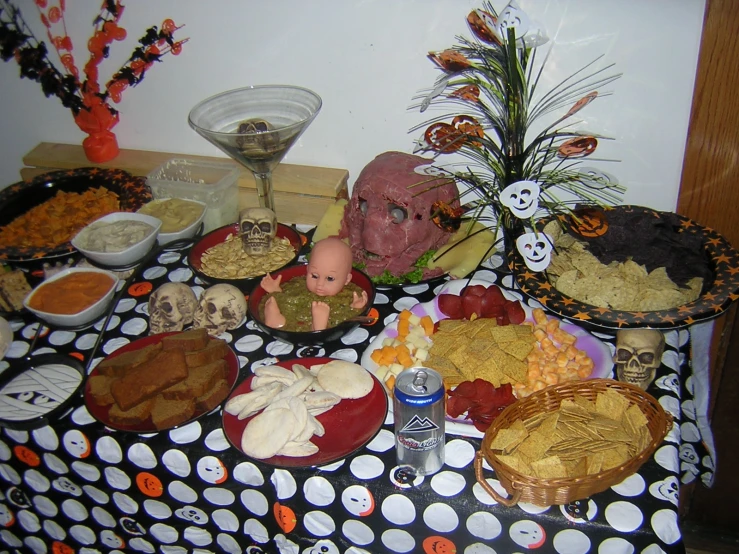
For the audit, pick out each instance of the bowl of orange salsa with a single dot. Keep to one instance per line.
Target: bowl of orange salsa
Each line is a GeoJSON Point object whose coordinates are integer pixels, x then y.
{"type": "Point", "coordinates": [74, 297]}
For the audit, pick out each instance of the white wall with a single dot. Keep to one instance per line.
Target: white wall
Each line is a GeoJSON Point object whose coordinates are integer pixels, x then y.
{"type": "Point", "coordinates": [367, 59]}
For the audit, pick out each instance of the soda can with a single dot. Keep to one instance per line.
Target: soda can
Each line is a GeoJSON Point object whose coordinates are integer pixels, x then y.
{"type": "Point", "coordinates": [419, 411]}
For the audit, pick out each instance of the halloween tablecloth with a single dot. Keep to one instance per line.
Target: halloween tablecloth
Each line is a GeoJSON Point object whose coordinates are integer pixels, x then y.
{"type": "Point", "coordinates": [77, 486]}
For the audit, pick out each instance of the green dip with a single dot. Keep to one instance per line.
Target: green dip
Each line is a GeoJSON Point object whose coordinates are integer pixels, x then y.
{"type": "Point", "coordinates": [295, 303]}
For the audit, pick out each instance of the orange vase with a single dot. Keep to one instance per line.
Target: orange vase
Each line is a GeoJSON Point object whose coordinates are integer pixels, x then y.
{"type": "Point", "coordinates": [97, 121]}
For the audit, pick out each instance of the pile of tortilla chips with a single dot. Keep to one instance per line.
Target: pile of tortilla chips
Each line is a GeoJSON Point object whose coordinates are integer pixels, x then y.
{"type": "Point", "coordinates": [580, 438]}
{"type": "Point", "coordinates": [577, 273]}
{"type": "Point", "coordinates": [467, 350]}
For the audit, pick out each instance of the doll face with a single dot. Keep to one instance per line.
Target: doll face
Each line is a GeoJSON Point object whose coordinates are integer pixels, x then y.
{"type": "Point", "coordinates": [329, 268]}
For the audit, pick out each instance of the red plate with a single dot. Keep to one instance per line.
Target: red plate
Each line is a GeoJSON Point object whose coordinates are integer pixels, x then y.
{"type": "Point", "coordinates": [349, 425]}
{"type": "Point", "coordinates": [220, 235]}
{"type": "Point", "coordinates": [101, 412]}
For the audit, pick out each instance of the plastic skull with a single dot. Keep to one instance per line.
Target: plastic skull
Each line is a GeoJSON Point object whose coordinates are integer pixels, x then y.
{"type": "Point", "coordinates": [171, 307]}
{"type": "Point", "coordinates": [638, 355]}
{"type": "Point", "coordinates": [221, 308]}
{"type": "Point", "coordinates": [388, 219]}
{"type": "Point", "coordinates": [258, 227]}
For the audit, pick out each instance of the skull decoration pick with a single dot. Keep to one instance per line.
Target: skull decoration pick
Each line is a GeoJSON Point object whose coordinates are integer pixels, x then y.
{"type": "Point", "coordinates": [536, 249]}
{"type": "Point", "coordinates": [638, 355]}
{"type": "Point", "coordinates": [528, 33]}
{"type": "Point", "coordinates": [171, 307]}
{"type": "Point", "coordinates": [221, 308]}
{"type": "Point", "coordinates": [258, 226]}
{"type": "Point", "coordinates": [522, 198]}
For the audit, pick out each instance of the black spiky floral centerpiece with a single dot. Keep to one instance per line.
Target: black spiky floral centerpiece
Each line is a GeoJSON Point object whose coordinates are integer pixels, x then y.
{"type": "Point", "coordinates": [512, 173]}
{"type": "Point", "coordinates": [91, 104]}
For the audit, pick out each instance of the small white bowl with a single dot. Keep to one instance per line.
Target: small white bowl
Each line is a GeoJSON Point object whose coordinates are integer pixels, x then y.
{"type": "Point", "coordinates": [187, 232]}
{"type": "Point", "coordinates": [131, 255]}
{"type": "Point", "coordinates": [86, 316]}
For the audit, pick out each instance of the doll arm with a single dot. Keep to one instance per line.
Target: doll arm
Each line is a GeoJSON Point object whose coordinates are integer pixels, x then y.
{"type": "Point", "coordinates": [271, 285]}
{"type": "Point", "coordinates": [359, 302]}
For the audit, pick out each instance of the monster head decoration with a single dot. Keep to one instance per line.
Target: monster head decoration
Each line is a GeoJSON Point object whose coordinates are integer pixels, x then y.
{"type": "Point", "coordinates": [389, 218]}
{"type": "Point", "coordinates": [258, 226]}
{"type": "Point", "coordinates": [638, 355]}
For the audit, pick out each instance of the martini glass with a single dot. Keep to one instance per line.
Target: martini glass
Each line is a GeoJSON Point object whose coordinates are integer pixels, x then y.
{"type": "Point", "coordinates": [256, 126]}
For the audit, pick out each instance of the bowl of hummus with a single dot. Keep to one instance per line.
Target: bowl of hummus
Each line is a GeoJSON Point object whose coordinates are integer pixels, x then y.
{"type": "Point", "coordinates": [180, 218]}
{"type": "Point", "coordinates": [118, 240]}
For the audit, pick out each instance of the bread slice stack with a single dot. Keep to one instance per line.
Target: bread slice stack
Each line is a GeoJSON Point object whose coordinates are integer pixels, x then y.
{"type": "Point", "coordinates": [167, 382]}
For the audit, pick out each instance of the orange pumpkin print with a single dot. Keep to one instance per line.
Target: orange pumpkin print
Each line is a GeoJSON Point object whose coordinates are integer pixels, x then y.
{"type": "Point", "coordinates": [61, 548]}
{"type": "Point", "coordinates": [444, 137]}
{"type": "Point", "coordinates": [140, 289]}
{"type": "Point", "coordinates": [26, 455]}
{"type": "Point", "coordinates": [149, 484]}
{"type": "Point", "coordinates": [438, 545]}
{"type": "Point", "coordinates": [285, 517]}
{"type": "Point", "coordinates": [589, 223]}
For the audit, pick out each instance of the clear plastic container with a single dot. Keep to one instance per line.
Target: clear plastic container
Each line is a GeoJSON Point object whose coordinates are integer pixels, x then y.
{"type": "Point", "coordinates": [213, 183]}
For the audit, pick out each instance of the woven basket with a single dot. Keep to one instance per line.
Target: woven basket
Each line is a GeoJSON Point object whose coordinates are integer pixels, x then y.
{"type": "Point", "coordinates": [548, 492]}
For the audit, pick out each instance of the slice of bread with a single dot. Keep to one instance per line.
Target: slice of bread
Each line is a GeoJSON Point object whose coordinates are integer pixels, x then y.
{"type": "Point", "coordinates": [150, 378]}
{"type": "Point", "coordinates": [99, 386]}
{"type": "Point", "coordinates": [213, 397]}
{"type": "Point", "coordinates": [200, 381]}
{"type": "Point", "coordinates": [133, 416]}
{"type": "Point", "coordinates": [193, 339]}
{"type": "Point", "coordinates": [166, 414]}
{"type": "Point", "coordinates": [117, 366]}
{"type": "Point", "coordinates": [215, 350]}
{"type": "Point", "coordinates": [13, 290]}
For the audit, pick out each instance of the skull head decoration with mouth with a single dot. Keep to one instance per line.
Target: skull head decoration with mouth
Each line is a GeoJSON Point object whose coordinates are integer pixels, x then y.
{"type": "Point", "coordinates": [221, 308]}
{"type": "Point", "coordinates": [258, 227]}
{"type": "Point", "coordinates": [522, 198]}
{"type": "Point", "coordinates": [638, 355]}
{"type": "Point", "coordinates": [171, 307]}
{"type": "Point", "coordinates": [536, 249]}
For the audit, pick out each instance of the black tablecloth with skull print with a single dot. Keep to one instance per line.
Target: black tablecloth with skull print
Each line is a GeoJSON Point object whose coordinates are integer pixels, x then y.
{"type": "Point", "coordinates": [78, 486]}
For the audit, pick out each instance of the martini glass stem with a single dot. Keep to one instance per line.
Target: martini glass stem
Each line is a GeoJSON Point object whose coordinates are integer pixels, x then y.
{"type": "Point", "coordinates": [265, 192]}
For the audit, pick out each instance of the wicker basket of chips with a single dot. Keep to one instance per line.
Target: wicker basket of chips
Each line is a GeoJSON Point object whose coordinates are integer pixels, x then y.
{"type": "Point", "coordinates": [570, 441]}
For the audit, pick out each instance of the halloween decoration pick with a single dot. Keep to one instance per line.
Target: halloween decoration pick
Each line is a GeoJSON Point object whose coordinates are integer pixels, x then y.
{"type": "Point", "coordinates": [492, 83]}
{"type": "Point", "coordinates": [536, 249]}
{"type": "Point", "coordinates": [90, 103]}
{"type": "Point", "coordinates": [638, 355]}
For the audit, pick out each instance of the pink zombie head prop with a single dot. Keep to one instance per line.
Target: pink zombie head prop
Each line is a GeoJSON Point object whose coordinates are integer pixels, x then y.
{"type": "Point", "coordinates": [389, 218]}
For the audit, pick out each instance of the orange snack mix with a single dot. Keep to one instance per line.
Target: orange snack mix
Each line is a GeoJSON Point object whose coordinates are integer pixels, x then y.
{"type": "Point", "coordinates": [58, 220]}
{"type": "Point", "coordinates": [72, 293]}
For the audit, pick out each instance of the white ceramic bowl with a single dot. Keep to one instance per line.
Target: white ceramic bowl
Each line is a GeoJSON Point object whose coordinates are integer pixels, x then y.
{"type": "Point", "coordinates": [79, 319]}
{"type": "Point", "coordinates": [186, 233]}
{"type": "Point", "coordinates": [131, 255]}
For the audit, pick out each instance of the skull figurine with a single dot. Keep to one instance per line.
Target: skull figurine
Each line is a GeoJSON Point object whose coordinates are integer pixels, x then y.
{"type": "Point", "coordinates": [221, 308]}
{"type": "Point", "coordinates": [171, 307]}
{"type": "Point", "coordinates": [258, 227]}
{"type": "Point", "coordinates": [638, 355]}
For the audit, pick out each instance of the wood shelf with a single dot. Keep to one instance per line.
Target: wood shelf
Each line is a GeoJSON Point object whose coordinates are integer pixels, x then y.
{"type": "Point", "coordinates": [302, 192]}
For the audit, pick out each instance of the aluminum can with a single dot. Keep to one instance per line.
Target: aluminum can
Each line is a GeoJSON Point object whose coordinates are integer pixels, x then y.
{"type": "Point", "coordinates": [419, 411]}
